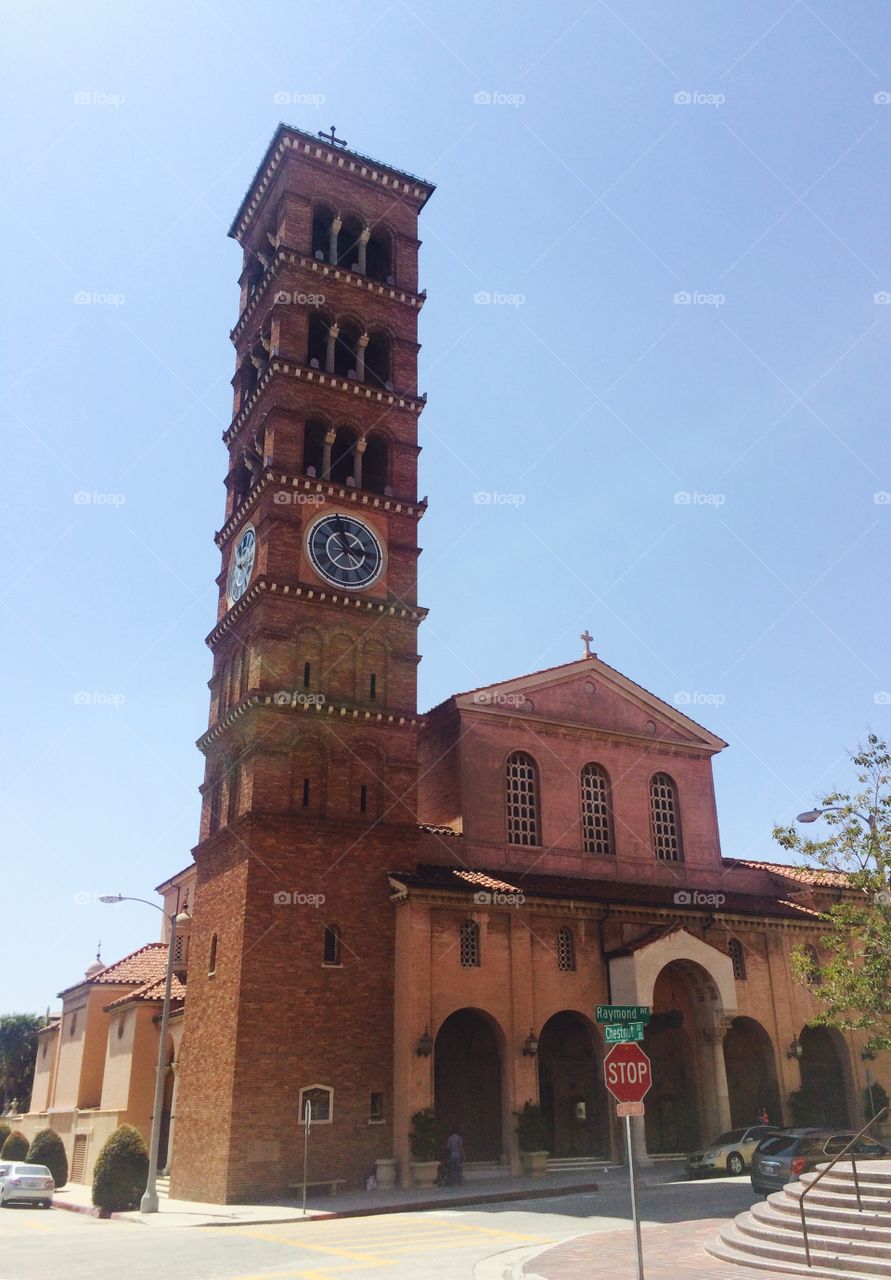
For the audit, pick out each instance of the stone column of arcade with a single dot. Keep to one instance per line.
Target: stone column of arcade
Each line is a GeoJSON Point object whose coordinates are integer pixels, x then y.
{"type": "Point", "coordinates": [361, 446]}
{"type": "Point", "coordinates": [333, 335]}
{"type": "Point", "coordinates": [333, 233]}
{"type": "Point", "coordinates": [360, 357]}
{"type": "Point", "coordinates": [363, 245]}
{"type": "Point", "coordinates": [717, 1098]}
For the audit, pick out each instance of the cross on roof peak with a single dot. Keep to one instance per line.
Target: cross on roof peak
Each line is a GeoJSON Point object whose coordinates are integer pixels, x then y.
{"type": "Point", "coordinates": [332, 137]}
{"type": "Point", "coordinates": [587, 637]}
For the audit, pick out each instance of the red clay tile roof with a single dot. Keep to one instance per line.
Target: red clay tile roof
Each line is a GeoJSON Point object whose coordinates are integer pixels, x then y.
{"type": "Point", "coordinates": [806, 875]}
{"type": "Point", "coordinates": [148, 964]}
{"type": "Point", "coordinates": [152, 991]}
{"type": "Point", "coordinates": [583, 889]}
{"type": "Point", "coordinates": [434, 830]}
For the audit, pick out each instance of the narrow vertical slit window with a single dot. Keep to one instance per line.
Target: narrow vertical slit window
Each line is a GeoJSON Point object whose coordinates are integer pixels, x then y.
{"type": "Point", "coordinates": [363, 798]}
{"type": "Point", "coordinates": [306, 793]}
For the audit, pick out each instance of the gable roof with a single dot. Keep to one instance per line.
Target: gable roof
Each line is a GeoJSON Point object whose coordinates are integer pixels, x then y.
{"type": "Point", "coordinates": [591, 666]}
{"type": "Point", "coordinates": [148, 963]}
{"type": "Point", "coordinates": [805, 875]}
{"type": "Point", "coordinates": [153, 990]}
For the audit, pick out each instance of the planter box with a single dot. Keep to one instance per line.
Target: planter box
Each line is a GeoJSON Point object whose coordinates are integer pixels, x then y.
{"type": "Point", "coordinates": [386, 1173]}
{"type": "Point", "coordinates": [423, 1172]}
{"type": "Point", "coordinates": [535, 1163]}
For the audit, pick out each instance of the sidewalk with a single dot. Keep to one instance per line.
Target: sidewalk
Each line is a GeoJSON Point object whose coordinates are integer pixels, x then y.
{"type": "Point", "coordinates": [675, 1251]}
{"type": "Point", "coordinates": [350, 1204]}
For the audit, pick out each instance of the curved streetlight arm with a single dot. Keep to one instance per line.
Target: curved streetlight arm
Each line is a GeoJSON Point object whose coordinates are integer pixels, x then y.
{"type": "Point", "coordinates": [811, 815]}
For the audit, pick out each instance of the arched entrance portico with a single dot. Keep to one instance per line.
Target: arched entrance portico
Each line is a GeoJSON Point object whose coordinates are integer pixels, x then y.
{"type": "Point", "coordinates": [570, 1076]}
{"type": "Point", "coordinates": [467, 1083]}
{"type": "Point", "coordinates": [824, 1084]}
{"type": "Point", "coordinates": [674, 1116]}
{"type": "Point", "coordinates": [750, 1063]}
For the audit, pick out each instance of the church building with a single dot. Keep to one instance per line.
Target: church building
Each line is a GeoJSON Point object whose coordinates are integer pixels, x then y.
{"type": "Point", "coordinates": [391, 911]}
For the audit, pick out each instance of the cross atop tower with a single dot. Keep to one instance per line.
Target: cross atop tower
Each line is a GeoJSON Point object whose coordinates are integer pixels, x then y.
{"type": "Point", "coordinates": [332, 138]}
{"type": "Point", "coordinates": [587, 637]}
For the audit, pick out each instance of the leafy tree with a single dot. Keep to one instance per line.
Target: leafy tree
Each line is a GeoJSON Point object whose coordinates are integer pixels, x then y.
{"type": "Point", "coordinates": [48, 1148]}
{"type": "Point", "coordinates": [15, 1147]}
{"type": "Point", "coordinates": [18, 1053]}
{"type": "Point", "coordinates": [120, 1173]}
{"type": "Point", "coordinates": [851, 981]}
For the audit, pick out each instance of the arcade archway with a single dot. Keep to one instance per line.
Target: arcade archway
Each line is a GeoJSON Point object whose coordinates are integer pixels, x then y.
{"type": "Point", "coordinates": [675, 1106]}
{"type": "Point", "coordinates": [750, 1062]}
{"type": "Point", "coordinates": [467, 1084]}
{"type": "Point", "coordinates": [824, 1085]}
{"type": "Point", "coordinates": [570, 1078]}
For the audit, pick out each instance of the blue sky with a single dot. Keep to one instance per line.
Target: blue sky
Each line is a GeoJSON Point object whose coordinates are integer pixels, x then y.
{"type": "Point", "coordinates": [695, 481]}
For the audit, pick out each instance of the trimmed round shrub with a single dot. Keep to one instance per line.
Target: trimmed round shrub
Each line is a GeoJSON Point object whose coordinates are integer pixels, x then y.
{"type": "Point", "coordinates": [48, 1148]}
{"type": "Point", "coordinates": [121, 1170]}
{"type": "Point", "coordinates": [15, 1147]}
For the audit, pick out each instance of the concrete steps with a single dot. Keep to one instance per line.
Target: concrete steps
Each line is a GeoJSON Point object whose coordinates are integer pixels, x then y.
{"type": "Point", "coordinates": [576, 1164]}
{"type": "Point", "coordinates": [845, 1244]}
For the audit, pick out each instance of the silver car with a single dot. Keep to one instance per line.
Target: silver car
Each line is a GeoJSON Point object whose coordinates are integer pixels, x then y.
{"type": "Point", "coordinates": [731, 1152]}
{"type": "Point", "coordinates": [26, 1184]}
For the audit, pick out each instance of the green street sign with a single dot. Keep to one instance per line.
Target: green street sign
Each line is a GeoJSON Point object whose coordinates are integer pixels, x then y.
{"type": "Point", "coordinates": [613, 1013]}
{"type": "Point", "coordinates": [620, 1033]}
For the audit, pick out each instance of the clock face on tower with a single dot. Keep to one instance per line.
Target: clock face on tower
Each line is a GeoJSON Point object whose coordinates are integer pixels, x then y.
{"type": "Point", "coordinates": [345, 552]}
{"type": "Point", "coordinates": [242, 565]}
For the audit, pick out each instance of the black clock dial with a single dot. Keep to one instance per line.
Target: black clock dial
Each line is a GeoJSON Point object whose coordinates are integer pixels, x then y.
{"type": "Point", "coordinates": [344, 551]}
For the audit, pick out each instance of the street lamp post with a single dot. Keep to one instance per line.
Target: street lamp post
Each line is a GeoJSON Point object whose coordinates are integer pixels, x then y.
{"type": "Point", "coordinates": [811, 815]}
{"type": "Point", "coordinates": [149, 1201]}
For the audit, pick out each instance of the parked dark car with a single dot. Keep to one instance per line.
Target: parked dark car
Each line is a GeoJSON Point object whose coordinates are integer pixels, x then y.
{"type": "Point", "coordinates": [784, 1157]}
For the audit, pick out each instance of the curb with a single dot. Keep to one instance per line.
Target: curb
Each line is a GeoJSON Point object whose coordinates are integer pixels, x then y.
{"type": "Point", "coordinates": [89, 1209]}
{"type": "Point", "coordinates": [423, 1206]}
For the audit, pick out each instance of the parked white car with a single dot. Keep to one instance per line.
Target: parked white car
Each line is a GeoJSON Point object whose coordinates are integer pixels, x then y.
{"type": "Point", "coordinates": [26, 1184]}
{"type": "Point", "coordinates": [731, 1152]}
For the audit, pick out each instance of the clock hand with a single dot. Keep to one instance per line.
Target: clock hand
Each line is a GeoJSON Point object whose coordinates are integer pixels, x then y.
{"type": "Point", "coordinates": [344, 545]}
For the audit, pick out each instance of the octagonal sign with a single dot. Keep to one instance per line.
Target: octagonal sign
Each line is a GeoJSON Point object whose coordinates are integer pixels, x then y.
{"type": "Point", "coordinates": [627, 1072]}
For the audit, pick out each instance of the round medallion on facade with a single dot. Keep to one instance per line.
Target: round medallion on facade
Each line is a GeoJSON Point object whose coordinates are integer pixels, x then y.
{"type": "Point", "coordinates": [590, 688]}
{"type": "Point", "coordinates": [345, 552]}
{"type": "Point", "coordinates": [241, 566]}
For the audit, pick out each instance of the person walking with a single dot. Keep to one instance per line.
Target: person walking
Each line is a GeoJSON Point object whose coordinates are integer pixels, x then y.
{"type": "Point", "coordinates": [455, 1149]}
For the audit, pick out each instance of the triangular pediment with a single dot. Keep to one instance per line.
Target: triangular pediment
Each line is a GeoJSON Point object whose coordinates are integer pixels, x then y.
{"type": "Point", "coordinates": [590, 694]}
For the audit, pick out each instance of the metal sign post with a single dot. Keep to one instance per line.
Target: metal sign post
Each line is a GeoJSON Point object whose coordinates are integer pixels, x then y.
{"type": "Point", "coordinates": [307, 1125]}
{"type": "Point", "coordinates": [632, 1178]}
{"type": "Point", "coordinates": [628, 1075]}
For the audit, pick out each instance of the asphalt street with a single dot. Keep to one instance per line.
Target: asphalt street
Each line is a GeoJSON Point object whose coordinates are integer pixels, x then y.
{"type": "Point", "coordinates": [459, 1244]}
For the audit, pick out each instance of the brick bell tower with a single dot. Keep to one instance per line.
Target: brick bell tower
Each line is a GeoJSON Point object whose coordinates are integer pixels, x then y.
{"type": "Point", "coordinates": [309, 792]}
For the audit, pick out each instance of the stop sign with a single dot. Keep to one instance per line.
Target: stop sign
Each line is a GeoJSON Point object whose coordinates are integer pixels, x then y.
{"type": "Point", "coordinates": [626, 1070]}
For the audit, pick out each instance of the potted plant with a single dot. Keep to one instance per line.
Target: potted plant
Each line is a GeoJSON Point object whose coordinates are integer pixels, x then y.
{"type": "Point", "coordinates": [533, 1137]}
{"type": "Point", "coordinates": [422, 1140]}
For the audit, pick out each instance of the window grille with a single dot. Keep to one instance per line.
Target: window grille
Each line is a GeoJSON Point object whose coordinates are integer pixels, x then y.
{"type": "Point", "coordinates": [596, 825]}
{"type": "Point", "coordinates": [469, 944]}
{"type": "Point", "coordinates": [664, 814]}
{"type": "Point", "coordinates": [522, 799]}
{"type": "Point", "coordinates": [565, 950]}
{"type": "Point", "coordinates": [737, 959]}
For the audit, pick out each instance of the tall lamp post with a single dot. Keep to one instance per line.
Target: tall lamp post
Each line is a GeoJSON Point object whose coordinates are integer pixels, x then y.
{"type": "Point", "coordinates": [149, 1201]}
{"type": "Point", "coordinates": [811, 815]}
